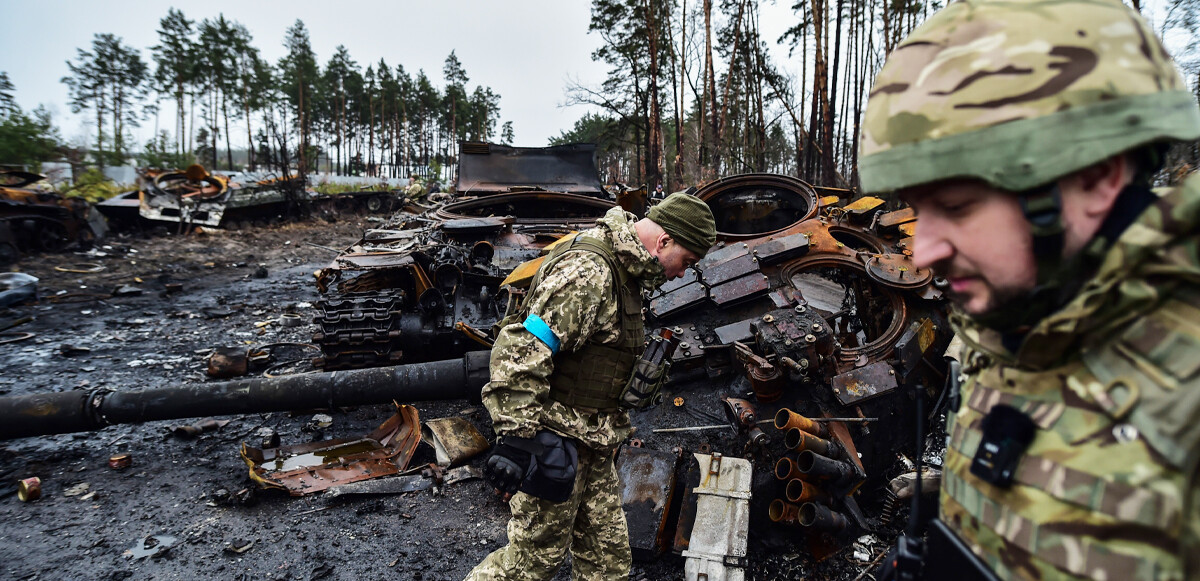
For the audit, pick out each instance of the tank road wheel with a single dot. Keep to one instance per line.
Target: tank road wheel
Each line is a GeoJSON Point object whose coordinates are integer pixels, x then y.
{"type": "Point", "coordinates": [8, 253]}
{"type": "Point", "coordinates": [50, 236]}
{"type": "Point", "coordinates": [376, 204]}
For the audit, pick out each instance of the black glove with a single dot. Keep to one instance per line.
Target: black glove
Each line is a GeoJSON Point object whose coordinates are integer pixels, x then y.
{"type": "Point", "coordinates": [505, 469]}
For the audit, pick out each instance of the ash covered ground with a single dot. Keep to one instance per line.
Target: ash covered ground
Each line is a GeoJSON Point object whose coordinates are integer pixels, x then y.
{"type": "Point", "coordinates": [193, 497]}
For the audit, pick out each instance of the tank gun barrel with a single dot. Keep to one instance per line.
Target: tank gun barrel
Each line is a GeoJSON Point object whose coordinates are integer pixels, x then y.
{"type": "Point", "coordinates": [82, 411]}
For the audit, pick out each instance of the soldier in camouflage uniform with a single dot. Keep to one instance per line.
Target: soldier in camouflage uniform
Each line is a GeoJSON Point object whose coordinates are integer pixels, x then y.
{"type": "Point", "coordinates": [1025, 133]}
{"type": "Point", "coordinates": [414, 190]}
{"type": "Point", "coordinates": [587, 303]}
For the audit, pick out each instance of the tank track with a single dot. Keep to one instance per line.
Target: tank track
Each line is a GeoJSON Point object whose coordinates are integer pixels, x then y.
{"type": "Point", "coordinates": [358, 330]}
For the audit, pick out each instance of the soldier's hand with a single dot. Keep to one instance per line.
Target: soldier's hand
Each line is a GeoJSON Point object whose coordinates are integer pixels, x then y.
{"type": "Point", "coordinates": [503, 473]}
{"type": "Point", "coordinates": [505, 469]}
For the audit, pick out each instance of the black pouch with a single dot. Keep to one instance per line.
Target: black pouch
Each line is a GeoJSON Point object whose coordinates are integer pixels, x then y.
{"type": "Point", "coordinates": [1006, 434]}
{"type": "Point", "coordinates": [551, 473]}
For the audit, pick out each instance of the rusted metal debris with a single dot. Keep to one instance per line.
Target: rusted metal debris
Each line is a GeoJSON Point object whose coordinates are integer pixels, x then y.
{"type": "Point", "coordinates": [454, 440]}
{"type": "Point", "coordinates": [195, 197]}
{"type": "Point", "coordinates": [648, 489]}
{"type": "Point", "coordinates": [307, 468]}
{"type": "Point", "coordinates": [38, 221]}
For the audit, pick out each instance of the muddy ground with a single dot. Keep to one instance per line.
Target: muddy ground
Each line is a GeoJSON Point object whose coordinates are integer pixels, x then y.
{"type": "Point", "coordinates": [193, 496]}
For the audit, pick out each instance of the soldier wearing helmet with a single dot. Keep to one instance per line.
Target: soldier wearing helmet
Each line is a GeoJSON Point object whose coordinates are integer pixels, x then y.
{"type": "Point", "coordinates": [1025, 134]}
{"type": "Point", "coordinates": [556, 395]}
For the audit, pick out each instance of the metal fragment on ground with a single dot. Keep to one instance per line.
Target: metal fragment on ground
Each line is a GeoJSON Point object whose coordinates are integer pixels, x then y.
{"type": "Point", "coordinates": [406, 483]}
{"type": "Point", "coordinates": [454, 440]}
{"type": "Point", "coordinates": [647, 488]}
{"type": "Point", "coordinates": [307, 468]}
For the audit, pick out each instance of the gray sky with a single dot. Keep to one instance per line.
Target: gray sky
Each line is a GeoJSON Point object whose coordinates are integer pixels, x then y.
{"type": "Point", "coordinates": [525, 50]}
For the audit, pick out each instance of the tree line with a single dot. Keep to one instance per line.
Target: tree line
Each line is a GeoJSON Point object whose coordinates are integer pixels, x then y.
{"type": "Point", "coordinates": [693, 94]}
{"type": "Point", "coordinates": [296, 114]}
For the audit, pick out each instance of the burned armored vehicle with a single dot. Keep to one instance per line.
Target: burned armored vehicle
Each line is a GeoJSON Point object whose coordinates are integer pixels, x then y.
{"type": "Point", "coordinates": [811, 329]}
{"type": "Point", "coordinates": [487, 168]}
{"type": "Point", "coordinates": [196, 197]}
{"type": "Point", "coordinates": [809, 315]}
{"type": "Point", "coordinates": [40, 221]}
{"type": "Point", "coordinates": [429, 286]}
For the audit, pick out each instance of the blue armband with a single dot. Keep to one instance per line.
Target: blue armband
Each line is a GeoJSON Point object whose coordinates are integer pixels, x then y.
{"type": "Point", "coordinates": [534, 324]}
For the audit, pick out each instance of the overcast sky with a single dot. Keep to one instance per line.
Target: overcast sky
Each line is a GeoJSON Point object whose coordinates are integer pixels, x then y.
{"type": "Point", "coordinates": [527, 50]}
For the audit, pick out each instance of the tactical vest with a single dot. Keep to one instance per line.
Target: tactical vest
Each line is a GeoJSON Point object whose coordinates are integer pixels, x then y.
{"type": "Point", "coordinates": [1094, 496]}
{"type": "Point", "coordinates": [593, 376]}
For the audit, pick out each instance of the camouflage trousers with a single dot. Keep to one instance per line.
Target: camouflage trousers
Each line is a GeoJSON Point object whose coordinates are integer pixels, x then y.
{"type": "Point", "coordinates": [591, 524]}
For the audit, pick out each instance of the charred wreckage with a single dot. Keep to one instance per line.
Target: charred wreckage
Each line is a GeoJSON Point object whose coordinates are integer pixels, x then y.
{"type": "Point", "coordinates": [802, 344]}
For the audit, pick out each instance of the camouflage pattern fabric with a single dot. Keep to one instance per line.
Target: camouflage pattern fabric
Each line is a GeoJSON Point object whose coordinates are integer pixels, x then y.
{"type": "Point", "coordinates": [591, 524]}
{"type": "Point", "coordinates": [1108, 488]}
{"type": "Point", "coordinates": [1018, 93]}
{"type": "Point", "coordinates": [414, 190]}
{"type": "Point", "coordinates": [575, 300]}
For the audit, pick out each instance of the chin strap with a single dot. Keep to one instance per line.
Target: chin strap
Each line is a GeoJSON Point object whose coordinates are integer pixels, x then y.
{"type": "Point", "coordinates": [1043, 210]}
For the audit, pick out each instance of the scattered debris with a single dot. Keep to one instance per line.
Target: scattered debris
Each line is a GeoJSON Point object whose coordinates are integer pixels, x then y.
{"type": "Point", "coordinates": [77, 490]}
{"type": "Point", "coordinates": [29, 489]}
{"type": "Point", "coordinates": [126, 290]}
{"type": "Point", "coordinates": [17, 288]}
{"type": "Point", "coordinates": [153, 546]}
{"type": "Point", "coordinates": [238, 546]}
{"type": "Point", "coordinates": [81, 268]}
{"type": "Point", "coordinates": [68, 350]}
{"type": "Point", "coordinates": [200, 427]}
{"type": "Point", "coordinates": [120, 461]}
{"type": "Point", "coordinates": [308, 468]}
{"type": "Point", "coordinates": [454, 440]}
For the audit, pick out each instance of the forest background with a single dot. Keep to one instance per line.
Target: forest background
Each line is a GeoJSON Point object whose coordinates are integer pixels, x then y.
{"type": "Point", "coordinates": [692, 93]}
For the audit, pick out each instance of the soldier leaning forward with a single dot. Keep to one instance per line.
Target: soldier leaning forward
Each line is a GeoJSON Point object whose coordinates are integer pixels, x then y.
{"type": "Point", "coordinates": [558, 370]}
{"type": "Point", "coordinates": [1025, 134]}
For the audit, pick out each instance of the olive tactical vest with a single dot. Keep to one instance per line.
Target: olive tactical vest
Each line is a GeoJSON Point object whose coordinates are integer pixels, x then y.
{"type": "Point", "coordinates": [1090, 498]}
{"type": "Point", "coordinates": [594, 376]}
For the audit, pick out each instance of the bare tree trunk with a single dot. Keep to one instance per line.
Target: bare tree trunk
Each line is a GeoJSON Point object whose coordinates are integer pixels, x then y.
{"type": "Point", "coordinates": [228, 147]}
{"type": "Point", "coordinates": [719, 124]}
{"type": "Point", "coordinates": [828, 132]}
{"type": "Point", "coordinates": [710, 88]}
{"type": "Point", "coordinates": [654, 118]}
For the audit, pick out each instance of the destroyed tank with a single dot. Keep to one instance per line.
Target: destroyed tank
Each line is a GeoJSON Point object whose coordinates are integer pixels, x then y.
{"type": "Point", "coordinates": [428, 286]}
{"type": "Point", "coordinates": [199, 198]}
{"type": "Point", "coordinates": [42, 221]}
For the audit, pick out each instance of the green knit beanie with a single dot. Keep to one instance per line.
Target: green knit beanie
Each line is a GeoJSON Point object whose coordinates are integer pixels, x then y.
{"type": "Point", "coordinates": [688, 220]}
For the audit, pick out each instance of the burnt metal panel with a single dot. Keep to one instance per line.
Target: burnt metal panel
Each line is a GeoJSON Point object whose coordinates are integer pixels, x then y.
{"type": "Point", "coordinates": [491, 168]}
{"type": "Point", "coordinates": [744, 288]}
{"type": "Point", "coordinates": [477, 225]}
{"type": "Point", "coordinates": [781, 249]}
{"type": "Point", "coordinates": [739, 331]}
{"type": "Point", "coordinates": [728, 270]}
{"type": "Point", "coordinates": [689, 276]}
{"type": "Point", "coordinates": [913, 344]}
{"type": "Point", "coordinates": [897, 218]}
{"type": "Point", "coordinates": [723, 254]}
{"type": "Point", "coordinates": [369, 260]}
{"type": "Point", "coordinates": [647, 486]}
{"type": "Point", "coordinates": [678, 300]}
{"type": "Point", "coordinates": [864, 383]}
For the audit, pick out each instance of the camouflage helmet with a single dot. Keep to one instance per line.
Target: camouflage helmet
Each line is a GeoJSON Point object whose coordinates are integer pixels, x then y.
{"type": "Point", "coordinates": [1018, 93]}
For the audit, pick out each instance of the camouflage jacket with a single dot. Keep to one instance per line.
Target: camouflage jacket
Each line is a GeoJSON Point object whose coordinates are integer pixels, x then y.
{"type": "Point", "coordinates": [1108, 487]}
{"type": "Point", "coordinates": [576, 301]}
